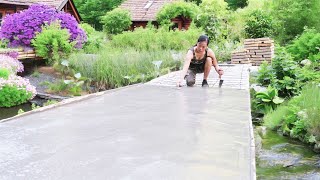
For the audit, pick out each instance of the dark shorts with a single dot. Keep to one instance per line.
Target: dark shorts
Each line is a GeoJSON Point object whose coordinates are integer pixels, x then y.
{"type": "Point", "coordinates": [197, 68]}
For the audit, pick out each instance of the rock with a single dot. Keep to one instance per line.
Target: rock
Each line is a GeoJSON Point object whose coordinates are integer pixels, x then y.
{"type": "Point", "coordinates": [305, 62]}
{"type": "Point", "coordinates": [257, 142]}
{"type": "Point", "coordinates": [258, 88]}
{"type": "Point", "coordinates": [316, 147]}
{"type": "Point", "coordinates": [270, 158]}
{"type": "Point", "coordinates": [262, 130]}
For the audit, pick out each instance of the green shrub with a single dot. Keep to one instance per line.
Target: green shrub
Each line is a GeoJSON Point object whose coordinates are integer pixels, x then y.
{"type": "Point", "coordinates": [53, 43]}
{"type": "Point", "coordinates": [282, 74]}
{"type": "Point", "coordinates": [116, 21]}
{"type": "Point", "coordinates": [175, 9]}
{"type": "Point", "coordinates": [266, 74]}
{"type": "Point", "coordinates": [306, 46]}
{"type": "Point", "coordinates": [4, 73]}
{"type": "Point", "coordinates": [259, 25]}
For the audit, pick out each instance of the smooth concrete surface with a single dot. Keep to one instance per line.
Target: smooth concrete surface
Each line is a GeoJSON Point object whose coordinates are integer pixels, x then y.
{"type": "Point", "coordinates": [144, 132]}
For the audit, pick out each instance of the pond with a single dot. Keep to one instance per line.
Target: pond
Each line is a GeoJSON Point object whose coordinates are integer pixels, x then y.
{"type": "Point", "coordinates": [280, 157]}
{"type": "Point", "coordinates": [39, 101]}
{"type": "Point", "coordinates": [12, 111]}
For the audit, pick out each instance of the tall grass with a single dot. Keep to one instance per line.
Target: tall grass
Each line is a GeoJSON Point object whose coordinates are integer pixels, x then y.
{"type": "Point", "coordinates": [310, 103]}
{"type": "Point", "coordinates": [274, 119]}
{"type": "Point", "coordinates": [113, 68]}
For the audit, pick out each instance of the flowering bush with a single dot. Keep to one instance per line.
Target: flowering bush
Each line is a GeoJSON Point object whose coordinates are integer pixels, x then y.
{"type": "Point", "coordinates": [20, 28]}
{"type": "Point", "coordinates": [15, 90]}
{"type": "Point", "coordinates": [10, 52]}
{"type": "Point", "coordinates": [11, 64]}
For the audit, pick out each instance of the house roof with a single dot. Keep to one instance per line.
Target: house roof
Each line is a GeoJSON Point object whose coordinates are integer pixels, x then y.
{"type": "Point", "coordinates": [58, 4]}
{"type": "Point", "coordinates": [144, 10]}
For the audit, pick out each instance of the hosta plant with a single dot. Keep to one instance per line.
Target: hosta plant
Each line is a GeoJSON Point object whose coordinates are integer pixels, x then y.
{"type": "Point", "coordinates": [267, 100]}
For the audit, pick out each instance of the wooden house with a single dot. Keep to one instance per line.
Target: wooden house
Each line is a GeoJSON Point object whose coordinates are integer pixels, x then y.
{"type": "Point", "coordinates": [144, 11]}
{"type": "Point", "coordinates": [12, 6]}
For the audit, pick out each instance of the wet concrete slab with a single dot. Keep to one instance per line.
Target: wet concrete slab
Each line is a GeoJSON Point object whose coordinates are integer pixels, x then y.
{"type": "Point", "coordinates": [141, 132]}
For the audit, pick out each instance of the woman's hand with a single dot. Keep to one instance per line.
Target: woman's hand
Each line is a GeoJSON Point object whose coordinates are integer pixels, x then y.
{"type": "Point", "coordinates": [179, 84]}
{"type": "Point", "coordinates": [220, 71]}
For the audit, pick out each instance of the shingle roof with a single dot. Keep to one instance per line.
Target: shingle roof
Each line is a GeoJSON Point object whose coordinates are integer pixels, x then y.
{"type": "Point", "coordinates": [58, 4]}
{"type": "Point", "coordinates": [139, 11]}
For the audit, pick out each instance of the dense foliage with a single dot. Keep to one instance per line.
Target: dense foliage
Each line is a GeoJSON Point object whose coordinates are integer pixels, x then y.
{"type": "Point", "coordinates": [306, 46]}
{"type": "Point", "coordinates": [235, 4]}
{"type": "Point", "coordinates": [91, 11]}
{"type": "Point", "coordinates": [293, 15]}
{"type": "Point", "coordinates": [20, 28]}
{"type": "Point", "coordinates": [259, 25]}
{"type": "Point", "coordinates": [175, 9]}
{"type": "Point", "coordinates": [299, 118]}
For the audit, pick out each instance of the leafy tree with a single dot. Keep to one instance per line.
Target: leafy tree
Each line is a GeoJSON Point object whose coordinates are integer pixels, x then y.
{"type": "Point", "coordinates": [212, 18]}
{"type": "Point", "coordinates": [197, 2]}
{"type": "Point", "coordinates": [235, 4]}
{"type": "Point", "coordinates": [259, 25]}
{"type": "Point", "coordinates": [293, 15]}
{"type": "Point", "coordinates": [92, 10]}
{"type": "Point", "coordinates": [116, 21]}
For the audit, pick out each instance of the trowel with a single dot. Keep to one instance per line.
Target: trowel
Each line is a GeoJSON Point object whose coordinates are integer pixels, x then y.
{"type": "Point", "coordinates": [220, 82]}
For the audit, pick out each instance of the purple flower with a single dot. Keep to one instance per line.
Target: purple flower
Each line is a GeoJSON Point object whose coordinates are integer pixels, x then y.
{"type": "Point", "coordinates": [20, 28]}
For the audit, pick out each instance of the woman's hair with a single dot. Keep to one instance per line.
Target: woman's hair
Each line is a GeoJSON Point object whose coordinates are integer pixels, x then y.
{"type": "Point", "coordinates": [203, 38]}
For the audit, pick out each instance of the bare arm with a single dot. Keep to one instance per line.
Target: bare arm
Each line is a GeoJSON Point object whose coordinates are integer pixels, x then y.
{"type": "Point", "coordinates": [215, 62]}
{"type": "Point", "coordinates": [185, 67]}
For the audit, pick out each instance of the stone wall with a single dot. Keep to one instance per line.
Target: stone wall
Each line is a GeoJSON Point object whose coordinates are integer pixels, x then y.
{"type": "Point", "coordinates": [255, 52]}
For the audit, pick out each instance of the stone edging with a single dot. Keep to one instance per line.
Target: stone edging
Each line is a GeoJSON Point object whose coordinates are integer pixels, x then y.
{"type": "Point", "coordinates": [68, 101]}
{"type": "Point", "coordinates": [252, 150]}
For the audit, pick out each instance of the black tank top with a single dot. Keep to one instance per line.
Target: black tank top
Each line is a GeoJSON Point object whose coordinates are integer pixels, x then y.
{"type": "Point", "coordinates": [194, 60]}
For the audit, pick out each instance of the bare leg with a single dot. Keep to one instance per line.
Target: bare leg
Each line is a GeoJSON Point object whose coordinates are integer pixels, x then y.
{"type": "Point", "coordinates": [191, 78]}
{"type": "Point", "coordinates": [207, 68]}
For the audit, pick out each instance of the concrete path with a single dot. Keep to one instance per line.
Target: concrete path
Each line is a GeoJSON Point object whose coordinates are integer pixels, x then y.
{"type": "Point", "coordinates": [143, 132]}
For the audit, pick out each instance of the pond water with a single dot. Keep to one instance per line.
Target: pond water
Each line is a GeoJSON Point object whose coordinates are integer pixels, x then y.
{"type": "Point", "coordinates": [12, 111]}
{"type": "Point", "coordinates": [280, 157]}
